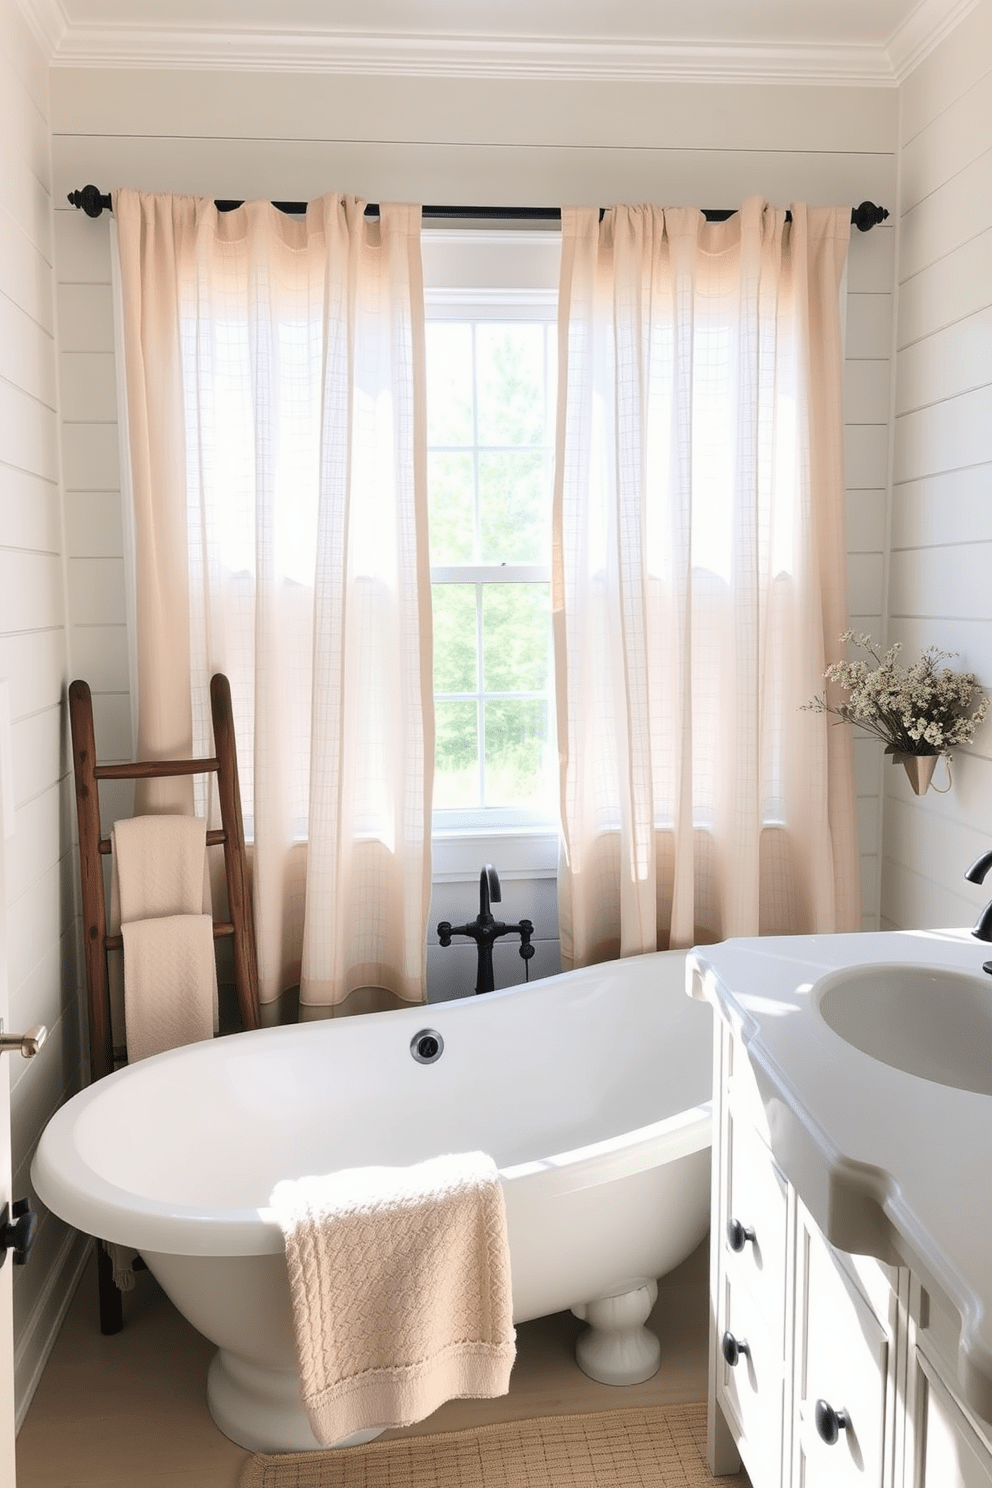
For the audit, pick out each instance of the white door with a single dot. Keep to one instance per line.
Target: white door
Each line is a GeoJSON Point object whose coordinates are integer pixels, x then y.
{"type": "Point", "coordinates": [6, 1271]}
{"type": "Point", "coordinates": [6, 1197]}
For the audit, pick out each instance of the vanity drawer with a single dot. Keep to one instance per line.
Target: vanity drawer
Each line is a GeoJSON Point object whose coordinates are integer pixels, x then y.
{"type": "Point", "coordinates": [842, 1360]}
{"type": "Point", "coordinates": [755, 1225]}
{"type": "Point", "coordinates": [752, 1391]}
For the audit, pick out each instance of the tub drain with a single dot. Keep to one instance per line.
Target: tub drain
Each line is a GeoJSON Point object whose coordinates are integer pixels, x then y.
{"type": "Point", "coordinates": [427, 1046]}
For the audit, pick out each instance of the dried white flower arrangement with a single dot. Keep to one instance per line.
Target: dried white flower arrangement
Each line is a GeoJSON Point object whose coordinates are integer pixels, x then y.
{"type": "Point", "coordinates": [924, 709]}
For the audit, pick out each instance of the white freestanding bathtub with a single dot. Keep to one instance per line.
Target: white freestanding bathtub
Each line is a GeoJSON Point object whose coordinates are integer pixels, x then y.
{"type": "Point", "coordinates": [591, 1090]}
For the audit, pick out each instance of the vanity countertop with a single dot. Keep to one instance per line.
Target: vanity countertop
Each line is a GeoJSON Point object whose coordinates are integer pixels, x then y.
{"type": "Point", "coordinates": [888, 1163]}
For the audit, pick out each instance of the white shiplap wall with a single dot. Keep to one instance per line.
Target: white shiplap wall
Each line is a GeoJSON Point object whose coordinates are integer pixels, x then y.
{"type": "Point", "coordinates": [293, 136]}
{"type": "Point", "coordinates": [40, 908]}
{"type": "Point", "coordinates": [867, 404]}
{"type": "Point", "coordinates": [940, 582]}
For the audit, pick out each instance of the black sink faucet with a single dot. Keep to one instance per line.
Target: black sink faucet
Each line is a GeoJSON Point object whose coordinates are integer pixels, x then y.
{"type": "Point", "coordinates": [486, 930]}
{"type": "Point", "coordinates": [976, 874]}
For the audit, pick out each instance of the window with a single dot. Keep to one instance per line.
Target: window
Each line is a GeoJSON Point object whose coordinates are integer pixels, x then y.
{"type": "Point", "coordinates": [491, 380]}
{"type": "Point", "coordinates": [491, 351]}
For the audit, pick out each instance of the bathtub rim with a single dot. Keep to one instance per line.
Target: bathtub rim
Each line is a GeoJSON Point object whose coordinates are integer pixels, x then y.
{"type": "Point", "coordinates": [101, 1207]}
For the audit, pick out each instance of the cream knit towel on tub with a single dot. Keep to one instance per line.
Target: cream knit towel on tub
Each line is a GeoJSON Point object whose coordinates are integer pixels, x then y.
{"type": "Point", "coordinates": [400, 1281]}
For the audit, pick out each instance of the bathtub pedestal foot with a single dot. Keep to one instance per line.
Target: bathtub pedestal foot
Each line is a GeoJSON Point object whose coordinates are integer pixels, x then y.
{"type": "Point", "coordinates": [261, 1408]}
{"type": "Point", "coordinates": [616, 1348]}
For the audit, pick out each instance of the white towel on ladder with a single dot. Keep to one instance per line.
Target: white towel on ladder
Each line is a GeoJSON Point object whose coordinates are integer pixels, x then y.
{"type": "Point", "coordinates": [159, 866]}
{"type": "Point", "coordinates": [159, 879]}
{"type": "Point", "coordinates": [170, 973]}
{"type": "Point", "coordinates": [170, 983]}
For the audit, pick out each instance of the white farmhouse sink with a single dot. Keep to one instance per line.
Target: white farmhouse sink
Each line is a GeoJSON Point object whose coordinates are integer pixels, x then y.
{"type": "Point", "coordinates": [928, 1021]}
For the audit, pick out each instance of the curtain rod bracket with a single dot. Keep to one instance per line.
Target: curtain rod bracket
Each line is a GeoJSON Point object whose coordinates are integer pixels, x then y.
{"type": "Point", "coordinates": [93, 202]}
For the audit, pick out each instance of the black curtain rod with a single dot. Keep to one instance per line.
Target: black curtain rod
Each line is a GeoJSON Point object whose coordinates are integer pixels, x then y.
{"type": "Point", "coordinates": [93, 202]}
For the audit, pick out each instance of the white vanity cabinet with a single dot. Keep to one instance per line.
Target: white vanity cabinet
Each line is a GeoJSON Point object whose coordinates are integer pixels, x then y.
{"type": "Point", "coordinates": [803, 1356]}
{"type": "Point", "coordinates": [828, 1369]}
{"type": "Point", "coordinates": [952, 1449]}
{"type": "Point", "coordinates": [949, 1446]}
{"type": "Point", "coordinates": [753, 1215]}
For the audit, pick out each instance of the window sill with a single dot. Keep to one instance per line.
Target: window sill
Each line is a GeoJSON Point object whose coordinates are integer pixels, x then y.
{"type": "Point", "coordinates": [460, 855]}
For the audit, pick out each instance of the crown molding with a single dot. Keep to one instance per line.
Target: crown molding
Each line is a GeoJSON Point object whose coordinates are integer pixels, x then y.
{"type": "Point", "coordinates": [468, 57]}
{"type": "Point", "coordinates": [922, 32]}
{"type": "Point", "coordinates": [536, 58]}
{"type": "Point", "coordinates": [48, 23]}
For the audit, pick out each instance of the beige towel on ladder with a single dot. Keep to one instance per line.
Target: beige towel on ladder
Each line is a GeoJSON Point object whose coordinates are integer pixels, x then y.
{"type": "Point", "coordinates": [158, 864]}
{"type": "Point", "coordinates": [158, 875]}
{"type": "Point", "coordinates": [170, 983]}
{"type": "Point", "coordinates": [400, 1280]}
{"type": "Point", "coordinates": [170, 972]}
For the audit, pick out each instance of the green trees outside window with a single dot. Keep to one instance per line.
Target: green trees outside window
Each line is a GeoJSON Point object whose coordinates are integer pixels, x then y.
{"type": "Point", "coordinates": [491, 391]}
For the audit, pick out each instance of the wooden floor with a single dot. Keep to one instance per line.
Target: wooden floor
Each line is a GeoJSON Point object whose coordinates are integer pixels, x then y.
{"type": "Point", "coordinates": [130, 1411]}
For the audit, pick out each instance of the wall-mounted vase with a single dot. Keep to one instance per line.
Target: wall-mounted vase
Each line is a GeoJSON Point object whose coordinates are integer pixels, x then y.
{"type": "Point", "coordinates": [918, 767]}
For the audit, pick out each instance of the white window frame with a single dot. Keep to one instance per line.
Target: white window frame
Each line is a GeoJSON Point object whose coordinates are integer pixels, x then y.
{"type": "Point", "coordinates": [486, 274]}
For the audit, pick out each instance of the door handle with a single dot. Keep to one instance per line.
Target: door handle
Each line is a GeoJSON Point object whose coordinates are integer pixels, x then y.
{"type": "Point", "coordinates": [27, 1044]}
{"type": "Point", "coordinates": [17, 1232]}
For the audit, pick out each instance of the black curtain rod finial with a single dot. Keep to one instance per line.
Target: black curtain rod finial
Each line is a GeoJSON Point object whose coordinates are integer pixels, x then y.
{"type": "Point", "coordinates": [91, 200]}
{"type": "Point", "coordinates": [867, 216]}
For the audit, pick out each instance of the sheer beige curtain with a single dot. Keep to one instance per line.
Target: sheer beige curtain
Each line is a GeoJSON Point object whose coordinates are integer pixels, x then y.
{"type": "Point", "coordinates": [699, 579]}
{"type": "Point", "coordinates": [275, 388]}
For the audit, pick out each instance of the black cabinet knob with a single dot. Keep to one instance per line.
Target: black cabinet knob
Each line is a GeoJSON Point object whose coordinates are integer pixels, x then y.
{"type": "Point", "coordinates": [17, 1230]}
{"type": "Point", "coordinates": [829, 1422]}
{"type": "Point", "coordinates": [733, 1349]}
{"type": "Point", "coordinates": [738, 1235]}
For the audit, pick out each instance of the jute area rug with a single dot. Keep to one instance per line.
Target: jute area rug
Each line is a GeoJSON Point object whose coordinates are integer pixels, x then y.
{"type": "Point", "coordinates": [658, 1447]}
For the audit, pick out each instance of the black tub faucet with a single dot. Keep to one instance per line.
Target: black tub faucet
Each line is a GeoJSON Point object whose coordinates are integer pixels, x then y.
{"type": "Point", "coordinates": [485, 930]}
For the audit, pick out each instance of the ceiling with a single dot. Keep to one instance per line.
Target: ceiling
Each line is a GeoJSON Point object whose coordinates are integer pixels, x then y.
{"type": "Point", "coordinates": [862, 41]}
